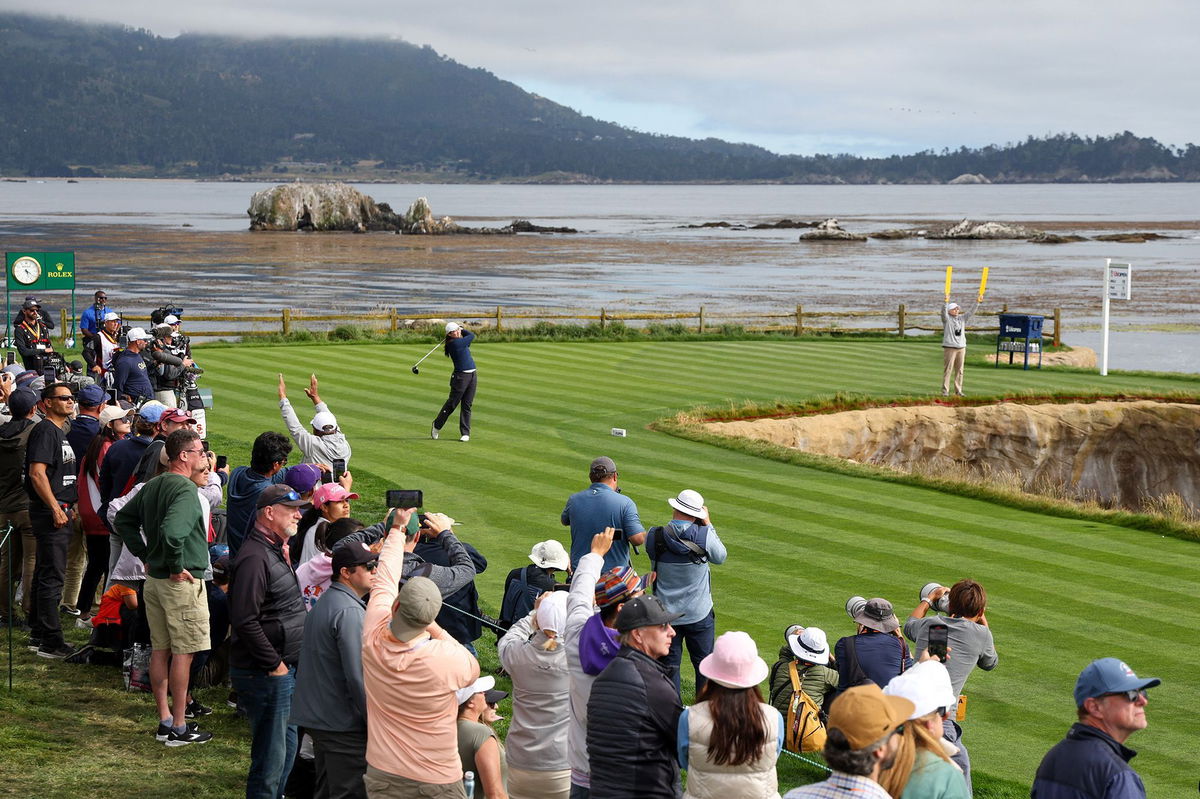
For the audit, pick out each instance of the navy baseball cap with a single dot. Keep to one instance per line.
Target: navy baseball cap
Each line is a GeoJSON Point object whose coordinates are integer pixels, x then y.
{"type": "Point", "coordinates": [91, 396]}
{"type": "Point", "coordinates": [1109, 676]}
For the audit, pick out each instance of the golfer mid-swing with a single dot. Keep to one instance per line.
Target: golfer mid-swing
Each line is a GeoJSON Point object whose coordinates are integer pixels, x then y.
{"type": "Point", "coordinates": [462, 381]}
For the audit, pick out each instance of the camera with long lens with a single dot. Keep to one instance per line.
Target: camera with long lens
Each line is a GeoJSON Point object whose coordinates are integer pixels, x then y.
{"type": "Point", "coordinates": [159, 315]}
{"type": "Point", "coordinates": [123, 336]}
{"type": "Point", "coordinates": [942, 605]}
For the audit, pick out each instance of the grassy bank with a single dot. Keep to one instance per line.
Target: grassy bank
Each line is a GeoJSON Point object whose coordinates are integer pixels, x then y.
{"type": "Point", "coordinates": [801, 540]}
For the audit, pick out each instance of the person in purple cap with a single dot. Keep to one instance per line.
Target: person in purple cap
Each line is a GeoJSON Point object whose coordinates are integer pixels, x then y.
{"type": "Point", "coordinates": [1092, 761]}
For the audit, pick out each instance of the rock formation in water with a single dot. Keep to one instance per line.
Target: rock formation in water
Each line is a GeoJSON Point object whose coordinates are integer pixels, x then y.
{"type": "Point", "coordinates": [830, 230]}
{"type": "Point", "coordinates": [967, 229]}
{"type": "Point", "coordinates": [967, 178]}
{"type": "Point", "coordinates": [318, 206]}
{"type": "Point", "coordinates": [1121, 453]}
{"type": "Point", "coordinates": [1056, 238]}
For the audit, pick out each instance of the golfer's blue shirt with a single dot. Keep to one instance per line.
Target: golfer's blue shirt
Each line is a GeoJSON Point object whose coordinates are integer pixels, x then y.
{"type": "Point", "coordinates": [591, 510]}
{"type": "Point", "coordinates": [459, 350]}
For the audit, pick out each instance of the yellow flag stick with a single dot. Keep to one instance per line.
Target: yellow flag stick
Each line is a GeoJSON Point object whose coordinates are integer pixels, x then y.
{"type": "Point", "coordinates": [949, 272]}
{"type": "Point", "coordinates": [983, 283]}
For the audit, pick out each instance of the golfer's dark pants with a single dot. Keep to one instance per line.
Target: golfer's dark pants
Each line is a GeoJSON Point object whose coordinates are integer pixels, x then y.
{"type": "Point", "coordinates": [48, 577]}
{"type": "Point", "coordinates": [699, 637]}
{"type": "Point", "coordinates": [462, 390]}
{"type": "Point", "coordinates": [341, 762]}
{"type": "Point", "coordinates": [97, 567]}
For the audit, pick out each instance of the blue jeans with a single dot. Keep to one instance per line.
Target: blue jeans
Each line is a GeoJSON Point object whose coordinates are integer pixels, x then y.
{"type": "Point", "coordinates": [953, 733]}
{"type": "Point", "coordinates": [699, 636]}
{"type": "Point", "coordinates": [268, 704]}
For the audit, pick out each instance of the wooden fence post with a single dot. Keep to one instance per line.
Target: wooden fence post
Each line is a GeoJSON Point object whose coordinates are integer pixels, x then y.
{"type": "Point", "coordinates": [1058, 327]}
{"type": "Point", "coordinates": [603, 318]}
{"type": "Point", "coordinates": [799, 320]}
{"type": "Point", "coordinates": [62, 325]}
{"type": "Point", "coordinates": [900, 320]}
{"type": "Point", "coordinates": [286, 320]}
{"type": "Point", "coordinates": [392, 319]}
{"type": "Point", "coordinates": [499, 317]}
{"type": "Point", "coordinates": [701, 318]}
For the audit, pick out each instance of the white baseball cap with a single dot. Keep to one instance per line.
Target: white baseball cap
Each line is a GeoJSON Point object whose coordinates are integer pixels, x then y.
{"type": "Point", "coordinates": [324, 421]}
{"type": "Point", "coordinates": [452, 326]}
{"type": "Point", "coordinates": [139, 334]}
{"type": "Point", "coordinates": [480, 686]}
{"type": "Point", "coordinates": [171, 319]}
{"type": "Point", "coordinates": [926, 685]}
{"type": "Point", "coordinates": [112, 316]}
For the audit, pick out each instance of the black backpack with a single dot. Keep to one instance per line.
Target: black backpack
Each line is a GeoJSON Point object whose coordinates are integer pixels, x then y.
{"type": "Point", "coordinates": [518, 598]}
{"type": "Point", "coordinates": [697, 553]}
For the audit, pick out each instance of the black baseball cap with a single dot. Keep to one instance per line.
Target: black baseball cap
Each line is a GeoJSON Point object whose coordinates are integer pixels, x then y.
{"type": "Point", "coordinates": [643, 611]}
{"type": "Point", "coordinates": [281, 494]}
{"type": "Point", "coordinates": [352, 553]}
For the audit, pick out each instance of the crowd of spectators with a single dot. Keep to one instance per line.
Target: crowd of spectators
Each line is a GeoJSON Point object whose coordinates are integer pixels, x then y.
{"type": "Point", "coordinates": [353, 646]}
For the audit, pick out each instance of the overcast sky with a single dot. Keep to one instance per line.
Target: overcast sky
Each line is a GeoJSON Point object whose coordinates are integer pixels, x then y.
{"type": "Point", "coordinates": [868, 77]}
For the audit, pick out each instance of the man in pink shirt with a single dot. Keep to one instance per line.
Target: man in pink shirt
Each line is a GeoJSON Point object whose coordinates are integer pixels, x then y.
{"type": "Point", "coordinates": [412, 669]}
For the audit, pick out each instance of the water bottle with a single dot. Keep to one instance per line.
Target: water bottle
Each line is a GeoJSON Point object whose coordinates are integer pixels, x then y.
{"type": "Point", "coordinates": [469, 784]}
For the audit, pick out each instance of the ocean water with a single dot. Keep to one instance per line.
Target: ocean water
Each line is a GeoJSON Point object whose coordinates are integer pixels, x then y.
{"type": "Point", "coordinates": [633, 251]}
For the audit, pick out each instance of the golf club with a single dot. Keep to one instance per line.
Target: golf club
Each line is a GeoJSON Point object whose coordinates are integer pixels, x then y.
{"type": "Point", "coordinates": [417, 371]}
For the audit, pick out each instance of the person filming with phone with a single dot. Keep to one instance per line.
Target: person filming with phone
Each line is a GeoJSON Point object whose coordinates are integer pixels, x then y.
{"type": "Point", "coordinates": [968, 638]}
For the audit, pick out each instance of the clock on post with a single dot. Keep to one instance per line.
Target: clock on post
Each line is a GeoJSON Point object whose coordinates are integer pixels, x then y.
{"type": "Point", "coordinates": [28, 273]}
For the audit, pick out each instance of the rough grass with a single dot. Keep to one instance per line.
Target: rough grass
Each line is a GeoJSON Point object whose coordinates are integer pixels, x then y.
{"type": "Point", "coordinates": [1063, 590]}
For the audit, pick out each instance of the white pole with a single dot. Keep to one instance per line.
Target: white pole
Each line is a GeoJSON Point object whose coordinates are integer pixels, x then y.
{"type": "Point", "coordinates": [1104, 345]}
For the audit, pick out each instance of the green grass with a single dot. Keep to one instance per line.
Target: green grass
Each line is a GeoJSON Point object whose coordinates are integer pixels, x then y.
{"type": "Point", "coordinates": [801, 540]}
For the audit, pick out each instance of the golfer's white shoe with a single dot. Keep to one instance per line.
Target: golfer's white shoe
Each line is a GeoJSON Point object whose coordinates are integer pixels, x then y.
{"type": "Point", "coordinates": [433, 433]}
{"type": "Point", "coordinates": [465, 438]}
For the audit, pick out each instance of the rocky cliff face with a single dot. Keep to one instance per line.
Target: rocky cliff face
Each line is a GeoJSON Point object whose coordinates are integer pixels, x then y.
{"type": "Point", "coordinates": [1121, 453]}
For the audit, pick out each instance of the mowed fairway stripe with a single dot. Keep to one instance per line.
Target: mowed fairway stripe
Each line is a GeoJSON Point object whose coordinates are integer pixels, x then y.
{"type": "Point", "coordinates": [801, 540]}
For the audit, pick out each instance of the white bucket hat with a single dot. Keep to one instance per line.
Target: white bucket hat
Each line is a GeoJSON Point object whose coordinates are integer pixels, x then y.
{"type": "Point", "coordinates": [689, 502]}
{"type": "Point", "coordinates": [810, 644]}
{"type": "Point", "coordinates": [550, 555]}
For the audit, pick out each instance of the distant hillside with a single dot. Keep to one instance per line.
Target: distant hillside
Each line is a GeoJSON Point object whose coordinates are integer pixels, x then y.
{"type": "Point", "coordinates": [84, 100]}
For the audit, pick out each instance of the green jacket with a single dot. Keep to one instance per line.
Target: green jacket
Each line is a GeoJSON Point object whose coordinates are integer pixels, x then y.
{"type": "Point", "coordinates": [168, 510]}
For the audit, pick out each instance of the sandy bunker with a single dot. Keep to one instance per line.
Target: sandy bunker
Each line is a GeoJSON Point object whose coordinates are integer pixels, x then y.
{"type": "Point", "coordinates": [1122, 454]}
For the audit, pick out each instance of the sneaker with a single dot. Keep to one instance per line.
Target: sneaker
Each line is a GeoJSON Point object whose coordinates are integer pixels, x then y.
{"type": "Point", "coordinates": [34, 644]}
{"type": "Point", "coordinates": [195, 710]}
{"type": "Point", "coordinates": [70, 611]}
{"type": "Point", "coordinates": [433, 433]}
{"type": "Point", "coordinates": [465, 438]}
{"type": "Point", "coordinates": [55, 652]}
{"type": "Point", "coordinates": [164, 731]}
{"type": "Point", "coordinates": [192, 735]}
{"type": "Point", "coordinates": [84, 623]}
{"type": "Point", "coordinates": [231, 700]}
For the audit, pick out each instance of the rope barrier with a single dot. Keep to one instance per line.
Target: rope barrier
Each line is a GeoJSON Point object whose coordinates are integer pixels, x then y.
{"type": "Point", "coordinates": [809, 761]}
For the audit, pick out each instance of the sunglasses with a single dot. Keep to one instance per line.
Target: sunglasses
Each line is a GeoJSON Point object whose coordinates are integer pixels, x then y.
{"type": "Point", "coordinates": [62, 397]}
{"type": "Point", "coordinates": [1132, 696]}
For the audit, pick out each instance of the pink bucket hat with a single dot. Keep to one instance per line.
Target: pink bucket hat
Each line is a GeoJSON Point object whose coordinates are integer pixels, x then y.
{"type": "Point", "coordinates": [734, 662]}
{"type": "Point", "coordinates": [330, 492]}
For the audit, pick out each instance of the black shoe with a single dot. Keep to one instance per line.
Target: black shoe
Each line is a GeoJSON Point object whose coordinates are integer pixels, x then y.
{"type": "Point", "coordinates": [164, 731]}
{"type": "Point", "coordinates": [231, 700]}
{"type": "Point", "coordinates": [82, 655]}
{"type": "Point", "coordinates": [67, 610]}
{"type": "Point", "coordinates": [195, 710]}
{"type": "Point", "coordinates": [192, 735]}
{"type": "Point", "coordinates": [35, 643]}
{"type": "Point", "coordinates": [55, 652]}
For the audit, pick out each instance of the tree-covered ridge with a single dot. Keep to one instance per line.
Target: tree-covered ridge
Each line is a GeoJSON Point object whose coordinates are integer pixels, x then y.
{"type": "Point", "coordinates": [104, 100]}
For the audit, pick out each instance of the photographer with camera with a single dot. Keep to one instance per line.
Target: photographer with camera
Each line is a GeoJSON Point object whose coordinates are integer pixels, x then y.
{"type": "Point", "coordinates": [680, 552]}
{"type": "Point", "coordinates": [31, 336]}
{"type": "Point", "coordinates": [92, 318]}
{"type": "Point", "coordinates": [171, 355]}
{"type": "Point", "coordinates": [968, 637]}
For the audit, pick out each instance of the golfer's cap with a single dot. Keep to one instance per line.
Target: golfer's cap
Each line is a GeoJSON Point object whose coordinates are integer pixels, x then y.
{"type": "Point", "coordinates": [1109, 676]}
{"type": "Point", "coordinates": [112, 316]}
{"type": "Point", "coordinates": [865, 714]}
{"type": "Point", "coordinates": [139, 334]}
{"type": "Point", "coordinates": [171, 319]}
{"type": "Point", "coordinates": [452, 326]}
{"type": "Point", "coordinates": [603, 466]}
{"type": "Point", "coordinates": [324, 421]}
{"type": "Point", "coordinates": [281, 494]}
{"type": "Point", "coordinates": [480, 686]}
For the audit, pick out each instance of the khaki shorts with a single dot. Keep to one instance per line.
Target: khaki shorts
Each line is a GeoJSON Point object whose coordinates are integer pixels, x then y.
{"type": "Point", "coordinates": [178, 615]}
{"type": "Point", "coordinates": [381, 785]}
